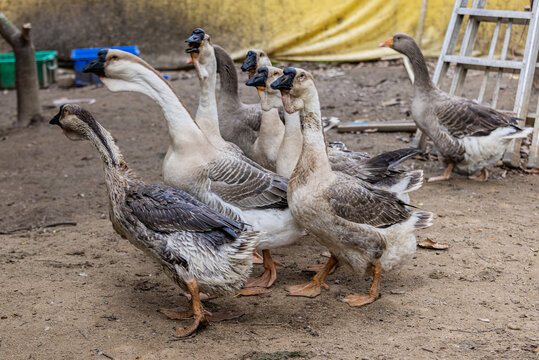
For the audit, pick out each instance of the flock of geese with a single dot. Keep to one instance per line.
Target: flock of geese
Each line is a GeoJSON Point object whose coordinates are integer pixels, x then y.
{"type": "Point", "coordinates": [245, 177]}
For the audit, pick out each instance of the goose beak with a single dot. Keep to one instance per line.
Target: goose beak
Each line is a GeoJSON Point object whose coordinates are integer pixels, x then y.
{"type": "Point", "coordinates": [97, 65]}
{"type": "Point", "coordinates": [259, 80]}
{"type": "Point", "coordinates": [250, 63]}
{"type": "Point", "coordinates": [195, 42]}
{"type": "Point", "coordinates": [56, 119]}
{"type": "Point", "coordinates": [388, 42]}
{"type": "Point", "coordinates": [285, 81]}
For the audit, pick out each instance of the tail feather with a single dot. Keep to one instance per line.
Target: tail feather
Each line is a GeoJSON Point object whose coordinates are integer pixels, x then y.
{"type": "Point", "coordinates": [391, 159]}
{"type": "Point", "coordinates": [416, 180]}
{"type": "Point", "coordinates": [424, 219]}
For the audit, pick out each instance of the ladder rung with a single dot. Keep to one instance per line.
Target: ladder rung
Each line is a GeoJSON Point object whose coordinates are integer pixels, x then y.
{"type": "Point", "coordinates": [517, 17]}
{"type": "Point", "coordinates": [481, 64]}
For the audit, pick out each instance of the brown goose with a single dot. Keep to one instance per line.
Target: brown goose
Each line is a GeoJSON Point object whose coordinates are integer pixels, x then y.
{"type": "Point", "coordinates": [469, 136]}
{"type": "Point", "coordinates": [225, 180]}
{"type": "Point", "coordinates": [198, 248]}
{"type": "Point", "coordinates": [360, 225]}
{"type": "Point", "coordinates": [379, 170]}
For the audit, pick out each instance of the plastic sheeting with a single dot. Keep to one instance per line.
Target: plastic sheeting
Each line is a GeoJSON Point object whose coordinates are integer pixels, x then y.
{"type": "Point", "coordinates": [301, 30]}
{"type": "Point", "coordinates": [307, 30]}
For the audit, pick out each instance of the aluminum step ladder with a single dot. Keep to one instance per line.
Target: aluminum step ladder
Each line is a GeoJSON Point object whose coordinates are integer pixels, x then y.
{"type": "Point", "coordinates": [464, 61]}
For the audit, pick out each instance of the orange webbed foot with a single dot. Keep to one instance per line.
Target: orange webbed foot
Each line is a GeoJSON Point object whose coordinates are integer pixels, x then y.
{"type": "Point", "coordinates": [311, 289]}
{"type": "Point", "coordinates": [253, 291]}
{"type": "Point", "coordinates": [359, 300]}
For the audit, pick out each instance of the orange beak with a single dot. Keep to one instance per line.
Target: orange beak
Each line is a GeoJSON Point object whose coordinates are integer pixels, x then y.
{"type": "Point", "coordinates": [388, 42]}
{"type": "Point", "coordinates": [259, 89]}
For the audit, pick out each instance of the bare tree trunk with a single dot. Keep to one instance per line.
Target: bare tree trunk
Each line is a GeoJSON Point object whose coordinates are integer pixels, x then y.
{"type": "Point", "coordinates": [26, 81]}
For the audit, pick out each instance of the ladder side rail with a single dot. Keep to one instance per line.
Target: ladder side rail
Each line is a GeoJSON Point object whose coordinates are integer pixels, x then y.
{"type": "Point", "coordinates": [522, 97]}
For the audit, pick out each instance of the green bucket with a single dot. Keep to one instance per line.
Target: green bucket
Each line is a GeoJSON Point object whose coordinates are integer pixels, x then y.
{"type": "Point", "coordinates": [46, 64]}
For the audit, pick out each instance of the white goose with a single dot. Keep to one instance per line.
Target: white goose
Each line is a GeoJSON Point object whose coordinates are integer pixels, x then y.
{"type": "Point", "coordinates": [228, 182]}
{"type": "Point", "coordinates": [266, 145]}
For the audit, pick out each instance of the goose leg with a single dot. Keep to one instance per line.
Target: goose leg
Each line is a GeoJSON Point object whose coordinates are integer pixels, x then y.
{"type": "Point", "coordinates": [257, 259]}
{"type": "Point", "coordinates": [313, 288]}
{"type": "Point", "coordinates": [200, 315]}
{"type": "Point", "coordinates": [260, 285]}
{"type": "Point", "coordinates": [374, 291]}
{"type": "Point", "coordinates": [483, 177]}
{"type": "Point", "coordinates": [445, 176]}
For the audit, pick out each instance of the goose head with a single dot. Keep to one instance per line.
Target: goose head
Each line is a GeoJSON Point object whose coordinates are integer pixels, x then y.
{"type": "Point", "coordinates": [76, 123]}
{"type": "Point", "coordinates": [296, 86]}
{"type": "Point", "coordinates": [269, 98]}
{"type": "Point", "coordinates": [400, 42]}
{"type": "Point", "coordinates": [202, 53]}
{"type": "Point", "coordinates": [254, 60]}
{"type": "Point", "coordinates": [122, 71]}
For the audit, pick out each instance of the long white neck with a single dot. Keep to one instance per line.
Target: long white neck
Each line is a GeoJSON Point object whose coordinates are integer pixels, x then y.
{"type": "Point", "coordinates": [207, 117]}
{"type": "Point", "coordinates": [184, 133]}
{"type": "Point", "coordinates": [314, 149]}
{"type": "Point", "coordinates": [290, 148]}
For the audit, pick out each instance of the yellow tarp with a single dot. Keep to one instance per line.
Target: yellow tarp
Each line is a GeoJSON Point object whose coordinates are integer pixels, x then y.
{"type": "Point", "coordinates": [306, 30]}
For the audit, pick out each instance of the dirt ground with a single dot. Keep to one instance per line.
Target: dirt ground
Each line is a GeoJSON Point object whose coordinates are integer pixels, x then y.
{"type": "Point", "coordinates": [81, 292]}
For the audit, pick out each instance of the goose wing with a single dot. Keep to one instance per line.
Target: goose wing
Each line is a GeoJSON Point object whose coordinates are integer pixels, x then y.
{"type": "Point", "coordinates": [375, 168]}
{"type": "Point", "coordinates": [242, 183]}
{"type": "Point", "coordinates": [463, 117]}
{"type": "Point", "coordinates": [165, 209]}
{"type": "Point", "coordinates": [358, 202]}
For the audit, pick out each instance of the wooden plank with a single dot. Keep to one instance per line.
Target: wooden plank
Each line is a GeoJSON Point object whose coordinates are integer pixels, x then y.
{"type": "Point", "coordinates": [382, 127]}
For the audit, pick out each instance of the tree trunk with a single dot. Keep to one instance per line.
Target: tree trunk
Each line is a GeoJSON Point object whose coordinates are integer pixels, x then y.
{"type": "Point", "coordinates": [26, 81]}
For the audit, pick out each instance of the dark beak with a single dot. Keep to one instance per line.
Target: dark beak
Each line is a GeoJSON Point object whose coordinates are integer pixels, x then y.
{"type": "Point", "coordinates": [56, 119]}
{"type": "Point", "coordinates": [250, 62]}
{"type": "Point", "coordinates": [97, 66]}
{"type": "Point", "coordinates": [286, 80]}
{"type": "Point", "coordinates": [259, 80]}
{"type": "Point", "coordinates": [194, 41]}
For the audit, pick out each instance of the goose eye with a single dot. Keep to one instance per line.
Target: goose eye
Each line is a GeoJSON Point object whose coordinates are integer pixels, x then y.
{"type": "Point", "coordinates": [302, 76]}
{"type": "Point", "coordinates": [114, 57]}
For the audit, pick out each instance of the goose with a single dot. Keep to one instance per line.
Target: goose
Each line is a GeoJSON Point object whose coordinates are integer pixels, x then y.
{"type": "Point", "coordinates": [197, 247]}
{"type": "Point", "coordinates": [203, 58]}
{"type": "Point", "coordinates": [379, 170]}
{"type": "Point", "coordinates": [226, 181]}
{"type": "Point", "coordinates": [361, 226]}
{"type": "Point", "coordinates": [266, 146]}
{"type": "Point", "coordinates": [255, 59]}
{"type": "Point", "coordinates": [469, 136]}
{"type": "Point", "coordinates": [239, 122]}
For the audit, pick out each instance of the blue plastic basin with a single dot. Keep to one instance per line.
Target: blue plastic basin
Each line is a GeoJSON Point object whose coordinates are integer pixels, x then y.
{"type": "Point", "coordinates": [81, 57]}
